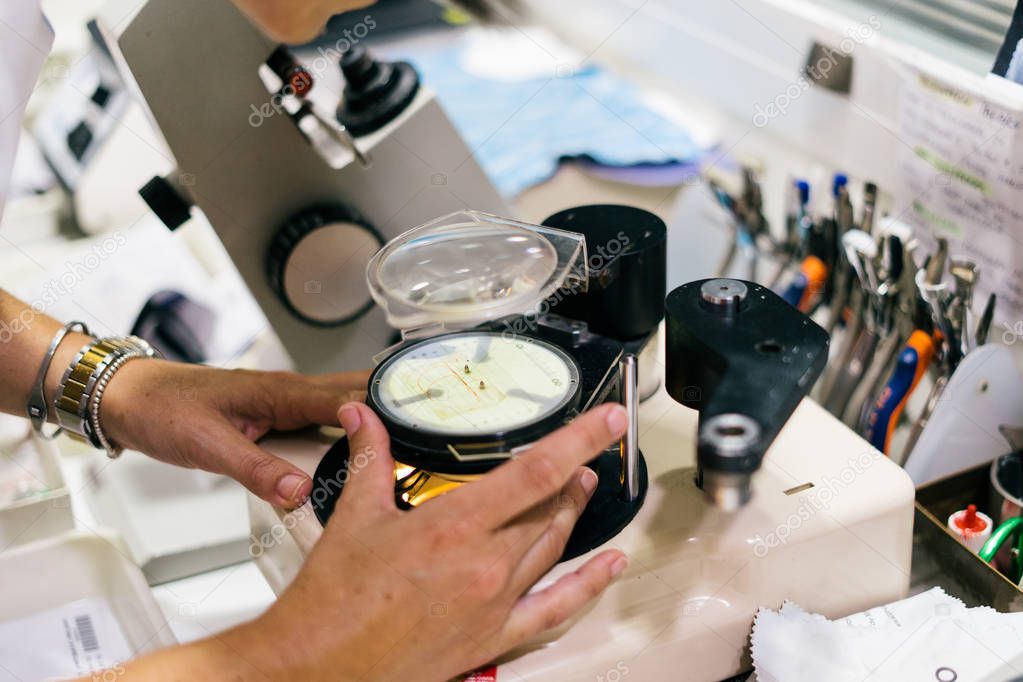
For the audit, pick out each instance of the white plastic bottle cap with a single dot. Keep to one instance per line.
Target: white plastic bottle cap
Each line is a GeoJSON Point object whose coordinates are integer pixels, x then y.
{"type": "Point", "coordinates": [972, 527]}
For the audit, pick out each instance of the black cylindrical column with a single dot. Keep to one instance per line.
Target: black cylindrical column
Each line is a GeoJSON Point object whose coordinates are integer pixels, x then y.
{"type": "Point", "coordinates": [627, 262]}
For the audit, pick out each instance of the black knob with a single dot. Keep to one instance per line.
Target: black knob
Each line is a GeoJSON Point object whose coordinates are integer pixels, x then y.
{"type": "Point", "coordinates": [166, 202]}
{"type": "Point", "coordinates": [316, 264]}
{"type": "Point", "coordinates": [626, 249]}
{"type": "Point", "coordinates": [359, 69]}
{"type": "Point", "coordinates": [375, 92]}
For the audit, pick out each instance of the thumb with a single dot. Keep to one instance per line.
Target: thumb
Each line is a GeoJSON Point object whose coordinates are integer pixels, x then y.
{"type": "Point", "coordinates": [267, 476]}
{"type": "Point", "coordinates": [370, 482]}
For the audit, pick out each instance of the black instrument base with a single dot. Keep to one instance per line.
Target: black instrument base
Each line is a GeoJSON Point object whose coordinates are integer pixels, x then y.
{"type": "Point", "coordinates": [608, 512]}
{"type": "Point", "coordinates": [604, 517]}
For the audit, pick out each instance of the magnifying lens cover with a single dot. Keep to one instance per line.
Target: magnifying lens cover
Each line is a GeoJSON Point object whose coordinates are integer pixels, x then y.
{"type": "Point", "coordinates": [468, 267]}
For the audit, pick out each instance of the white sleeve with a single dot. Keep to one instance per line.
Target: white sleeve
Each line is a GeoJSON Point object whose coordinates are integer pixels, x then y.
{"type": "Point", "coordinates": [25, 41]}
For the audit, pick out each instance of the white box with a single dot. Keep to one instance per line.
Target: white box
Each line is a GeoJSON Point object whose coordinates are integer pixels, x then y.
{"type": "Point", "coordinates": [41, 514]}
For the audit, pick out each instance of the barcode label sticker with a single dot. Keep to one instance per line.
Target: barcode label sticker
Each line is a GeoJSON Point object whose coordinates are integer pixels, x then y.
{"type": "Point", "coordinates": [73, 639]}
{"type": "Point", "coordinates": [86, 633]}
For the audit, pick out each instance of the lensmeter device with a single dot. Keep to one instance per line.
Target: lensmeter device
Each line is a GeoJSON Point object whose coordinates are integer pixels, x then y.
{"type": "Point", "coordinates": [485, 368]}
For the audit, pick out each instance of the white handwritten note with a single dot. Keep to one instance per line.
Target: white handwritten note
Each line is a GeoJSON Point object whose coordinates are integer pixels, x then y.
{"type": "Point", "coordinates": [961, 177]}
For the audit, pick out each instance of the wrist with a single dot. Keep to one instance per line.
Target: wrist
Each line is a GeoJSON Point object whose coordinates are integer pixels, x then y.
{"type": "Point", "coordinates": [275, 653]}
{"type": "Point", "coordinates": [120, 409]}
{"type": "Point", "coordinates": [283, 644]}
{"type": "Point", "coordinates": [236, 654]}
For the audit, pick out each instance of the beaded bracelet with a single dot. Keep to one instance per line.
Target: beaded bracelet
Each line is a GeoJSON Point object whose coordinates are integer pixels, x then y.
{"type": "Point", "coordinates": [92, 424]}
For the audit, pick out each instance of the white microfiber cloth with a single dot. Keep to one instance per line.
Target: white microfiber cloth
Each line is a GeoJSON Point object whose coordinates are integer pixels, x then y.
{"type": "Point", "coordinates": [930, 636]}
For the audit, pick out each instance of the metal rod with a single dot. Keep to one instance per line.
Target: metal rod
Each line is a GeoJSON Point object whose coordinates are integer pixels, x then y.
{"type": "Point", "coordinates": [935, 295]}
{"type": "Point", "coordinates": [925, 416]}
{"type": "Point", "coordinates": [630, 447]}
{"type": "Point", "coordinates": [340, 133]}
{"type": "Point", "coordinates": [965, 273]}
{"type": "Point", "coordinates": [851, 372]}
{"type": "Point", "coordinates": [984, 325]}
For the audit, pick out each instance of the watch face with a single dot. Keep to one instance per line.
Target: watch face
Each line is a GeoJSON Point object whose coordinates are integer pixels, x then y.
{"type": "Point", "coordinates": [475, 384]}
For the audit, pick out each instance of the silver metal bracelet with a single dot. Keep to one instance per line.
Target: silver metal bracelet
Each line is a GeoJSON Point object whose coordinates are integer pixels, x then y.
{"type": "Point", "coordinates": [36, 406]}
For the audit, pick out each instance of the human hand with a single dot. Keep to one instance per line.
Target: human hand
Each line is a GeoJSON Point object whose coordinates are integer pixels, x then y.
{"type": "Point", "coordinates": [433, 592]}
{"type": "Point", "coordinates": [295, 22]}
{"type": "Point", "coordinates": [207, 418]}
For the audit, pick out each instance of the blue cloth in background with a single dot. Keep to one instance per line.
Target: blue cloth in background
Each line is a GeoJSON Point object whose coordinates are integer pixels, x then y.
{"type": "Point", "coordinates": [520, 130]}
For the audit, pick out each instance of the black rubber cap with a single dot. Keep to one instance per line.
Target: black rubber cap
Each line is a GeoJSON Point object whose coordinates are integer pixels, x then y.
{"type": "Point", "coordinates": [166, 202]}
{"type": "Point", "coordinates": [375, 92]}
{"type": "Point", "coordinates": [626, 248]}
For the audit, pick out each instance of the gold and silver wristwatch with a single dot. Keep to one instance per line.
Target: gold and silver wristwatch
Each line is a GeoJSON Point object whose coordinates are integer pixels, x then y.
{"type": "Point", "coordinates": [77, 401]}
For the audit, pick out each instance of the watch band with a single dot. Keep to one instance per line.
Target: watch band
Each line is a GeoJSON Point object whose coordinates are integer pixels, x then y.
{"type": "Point", "coordinates": [72, 396]}
{"type": "Point", "coordinates": [79, 382]}
{"type": "Point", "coordinates": [36, 406]}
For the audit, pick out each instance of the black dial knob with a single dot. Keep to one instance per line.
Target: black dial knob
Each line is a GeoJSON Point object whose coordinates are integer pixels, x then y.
{"type": "Point", "coordinates": [317, 264]}
{"type": "Point", "coordinates": [375, 92]}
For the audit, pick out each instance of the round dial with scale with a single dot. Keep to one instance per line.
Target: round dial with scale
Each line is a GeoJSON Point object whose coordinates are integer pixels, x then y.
{"type": "Point", "coordinates": [471, 396]}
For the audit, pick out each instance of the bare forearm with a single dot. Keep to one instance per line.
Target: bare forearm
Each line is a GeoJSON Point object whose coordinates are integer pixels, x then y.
{"type": "Point", "coordinates": [25, 334]}
{"type": "Point", "coordinates": [211, 659]}
{"type": "Point", "coordinates": [242, 653]}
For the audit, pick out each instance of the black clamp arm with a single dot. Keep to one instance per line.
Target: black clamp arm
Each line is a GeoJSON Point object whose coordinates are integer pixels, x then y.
{"type": "Point", "coordinates": [744, 358]}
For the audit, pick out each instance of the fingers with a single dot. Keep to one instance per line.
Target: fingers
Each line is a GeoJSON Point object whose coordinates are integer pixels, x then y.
{"type": "Point", "coordinates": [302, 400]}
{"type": "Point", "coordinates": [346, 381]}
{"type": "Point", "coordinates": [549, 543]}
{"type": "Point", "coordinates": [370, 481]}
{"type": "Point", "coordinates": [543, 470]}
{"type": "Point", "coordinates": [268, 477]}
{"type": "Point", "coordinates": [547, 609]}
